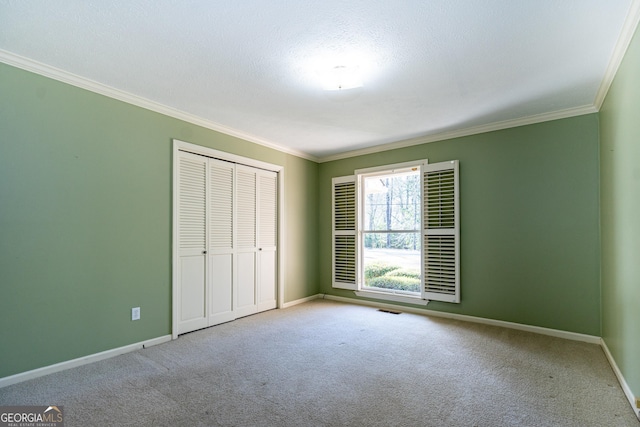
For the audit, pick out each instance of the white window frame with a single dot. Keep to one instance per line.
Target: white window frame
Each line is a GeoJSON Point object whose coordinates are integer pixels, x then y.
{"type": "Point", "coordinates": [361, 175]}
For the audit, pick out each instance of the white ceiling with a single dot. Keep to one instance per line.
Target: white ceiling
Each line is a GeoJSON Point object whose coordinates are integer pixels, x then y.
{"type": "Point", "coordinates": [250, 67]}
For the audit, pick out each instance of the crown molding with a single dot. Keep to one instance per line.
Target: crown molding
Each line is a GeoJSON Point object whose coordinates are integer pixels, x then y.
{"type": "Point", "coordinates": [624, 40]}
{"type": "Point", "coordinates": [45, 70]}
{"type": "Point", "coordinates": [506, 124]}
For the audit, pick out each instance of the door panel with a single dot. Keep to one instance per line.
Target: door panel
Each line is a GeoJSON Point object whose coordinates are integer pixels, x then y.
{"type": "Point", "coordinates": [221, 284]}
{"type": "Point", "coordinates": [191, 221]}
{"type": "Point", "coordinates": [246, 239]}
{"type": "Point", "coordinates": [192, 293]}
{"type": "Point", "coordinates": [220, 232]}
{"type": "Point", "coordinates": [267, 280]}
{"type": "Point", "coordinates": [267, 217]}
{"type": "Point", "coordinates": [246, 284]}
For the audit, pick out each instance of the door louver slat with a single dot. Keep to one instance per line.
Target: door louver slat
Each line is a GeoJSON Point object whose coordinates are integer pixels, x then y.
{"type": "Point", "coordinates": [221, 205]}
{"type": "Point", "coordinates": [246, 205]}
{"type": "Point", "coordinates": [192, 216]}
{"type": "Point", "coordinates": [268, 213]}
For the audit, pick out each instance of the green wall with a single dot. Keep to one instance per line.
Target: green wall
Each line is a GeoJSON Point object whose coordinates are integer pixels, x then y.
{"type": "Point", "coordinates": [620, 216]}
{"type": "Point", "coordinates": [85, 220]}
{"type": "Point", "coordinates": [530, 248]}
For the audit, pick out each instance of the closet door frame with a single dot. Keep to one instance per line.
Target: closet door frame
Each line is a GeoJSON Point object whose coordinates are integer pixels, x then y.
{"type": "Point", "coordinates": [178, 146]}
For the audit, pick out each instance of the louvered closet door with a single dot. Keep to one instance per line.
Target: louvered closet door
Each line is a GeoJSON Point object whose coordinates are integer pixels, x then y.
{"type": "Point", "coordinates": [192, 184]}
{"type": "Point", "coordinates": [221, 251]}
{"type": "Point", "coordinates": [246, 241]}
{"type": "Point", "coordinates": [267, 232]}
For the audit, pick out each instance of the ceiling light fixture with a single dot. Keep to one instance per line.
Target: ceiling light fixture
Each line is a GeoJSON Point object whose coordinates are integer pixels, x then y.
{"type": "Point", "coordinates": [342, 77]}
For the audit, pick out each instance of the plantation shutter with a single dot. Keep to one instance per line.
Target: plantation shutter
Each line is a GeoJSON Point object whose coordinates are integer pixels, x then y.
{"type": "Point", "coordinates": [441, 232]}
{"type": "Point", "coordinates": [344, 233]}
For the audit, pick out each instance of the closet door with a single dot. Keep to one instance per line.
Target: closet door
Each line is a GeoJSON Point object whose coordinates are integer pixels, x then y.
{"type": "Point", "coordinates": [221, 248]}
{"type": "Point", "coordinates": [246, 241]}
{"type": "Point", "coordinates": [191, 222]}
{"type": "Point", "coordinates": [226, 230]}
{"type": "Point", "coordinates": [267, 232]}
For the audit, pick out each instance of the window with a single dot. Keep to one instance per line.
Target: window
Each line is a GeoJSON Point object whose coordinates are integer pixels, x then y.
{"type": "Point", "coordinates": [390, 231]}
{"type": "Point", "coordinates": [396, 232]}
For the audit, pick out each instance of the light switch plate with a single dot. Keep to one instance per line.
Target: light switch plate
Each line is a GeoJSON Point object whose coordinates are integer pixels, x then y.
{"type": "Point", "coordinates": [135, 313]}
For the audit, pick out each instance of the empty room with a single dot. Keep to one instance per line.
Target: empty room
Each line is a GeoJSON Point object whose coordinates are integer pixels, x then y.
{"type": "Point", "coordinates": [327, 213]}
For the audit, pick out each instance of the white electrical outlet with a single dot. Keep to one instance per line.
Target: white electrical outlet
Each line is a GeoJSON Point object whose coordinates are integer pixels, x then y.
{"type": "Point", "coordinates": [135, 313]}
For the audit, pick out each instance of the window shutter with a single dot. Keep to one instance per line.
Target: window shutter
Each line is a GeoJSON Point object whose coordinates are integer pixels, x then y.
{"type": "Point", "coordinates": [441, 232]}
{"type": "Point", "coordinates": [344, 233]}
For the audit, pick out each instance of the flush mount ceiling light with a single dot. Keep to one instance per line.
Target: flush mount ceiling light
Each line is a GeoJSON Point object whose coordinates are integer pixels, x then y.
{"type": "Point", "coordinates": [342, 77]}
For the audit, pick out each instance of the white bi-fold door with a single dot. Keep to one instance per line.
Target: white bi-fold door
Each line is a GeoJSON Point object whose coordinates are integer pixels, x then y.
{"type": "Point", "coordinates": [227, 241]}
{"type": "Point", "coordinates": [256, 237]}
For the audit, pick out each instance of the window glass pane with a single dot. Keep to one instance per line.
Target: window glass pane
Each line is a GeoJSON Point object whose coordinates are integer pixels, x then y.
{"type": "Point", "coordinates": [392, 202]}
{"type": "Point", "coordinates": [391, 261]}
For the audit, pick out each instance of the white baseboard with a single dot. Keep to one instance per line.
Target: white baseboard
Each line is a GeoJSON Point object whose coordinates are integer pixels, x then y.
{"type": "Point", "coordinates": [621, 380]}
{"type": "Point", "coordinates": [519, 326]}
{"type": "Point", "coordinates": [301, 300]}
{"type": "Point", "coordinates": [46, 370]}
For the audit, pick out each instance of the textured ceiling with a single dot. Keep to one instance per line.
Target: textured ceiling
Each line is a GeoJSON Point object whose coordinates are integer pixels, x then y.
{"type": "Point", "coordinates": [252, 66]}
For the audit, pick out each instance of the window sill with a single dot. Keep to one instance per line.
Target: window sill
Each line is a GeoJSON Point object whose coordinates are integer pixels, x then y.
{"type": "Point", "coordinates": [388, 296]}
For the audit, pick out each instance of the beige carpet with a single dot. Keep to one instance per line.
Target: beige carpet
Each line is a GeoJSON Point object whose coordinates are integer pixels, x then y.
{"type": "Point", "coordinates": [325, 363]}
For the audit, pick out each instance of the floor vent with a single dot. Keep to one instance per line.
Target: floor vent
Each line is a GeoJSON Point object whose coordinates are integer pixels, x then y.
{"type": "Point", "coordinates": [388, 311]}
